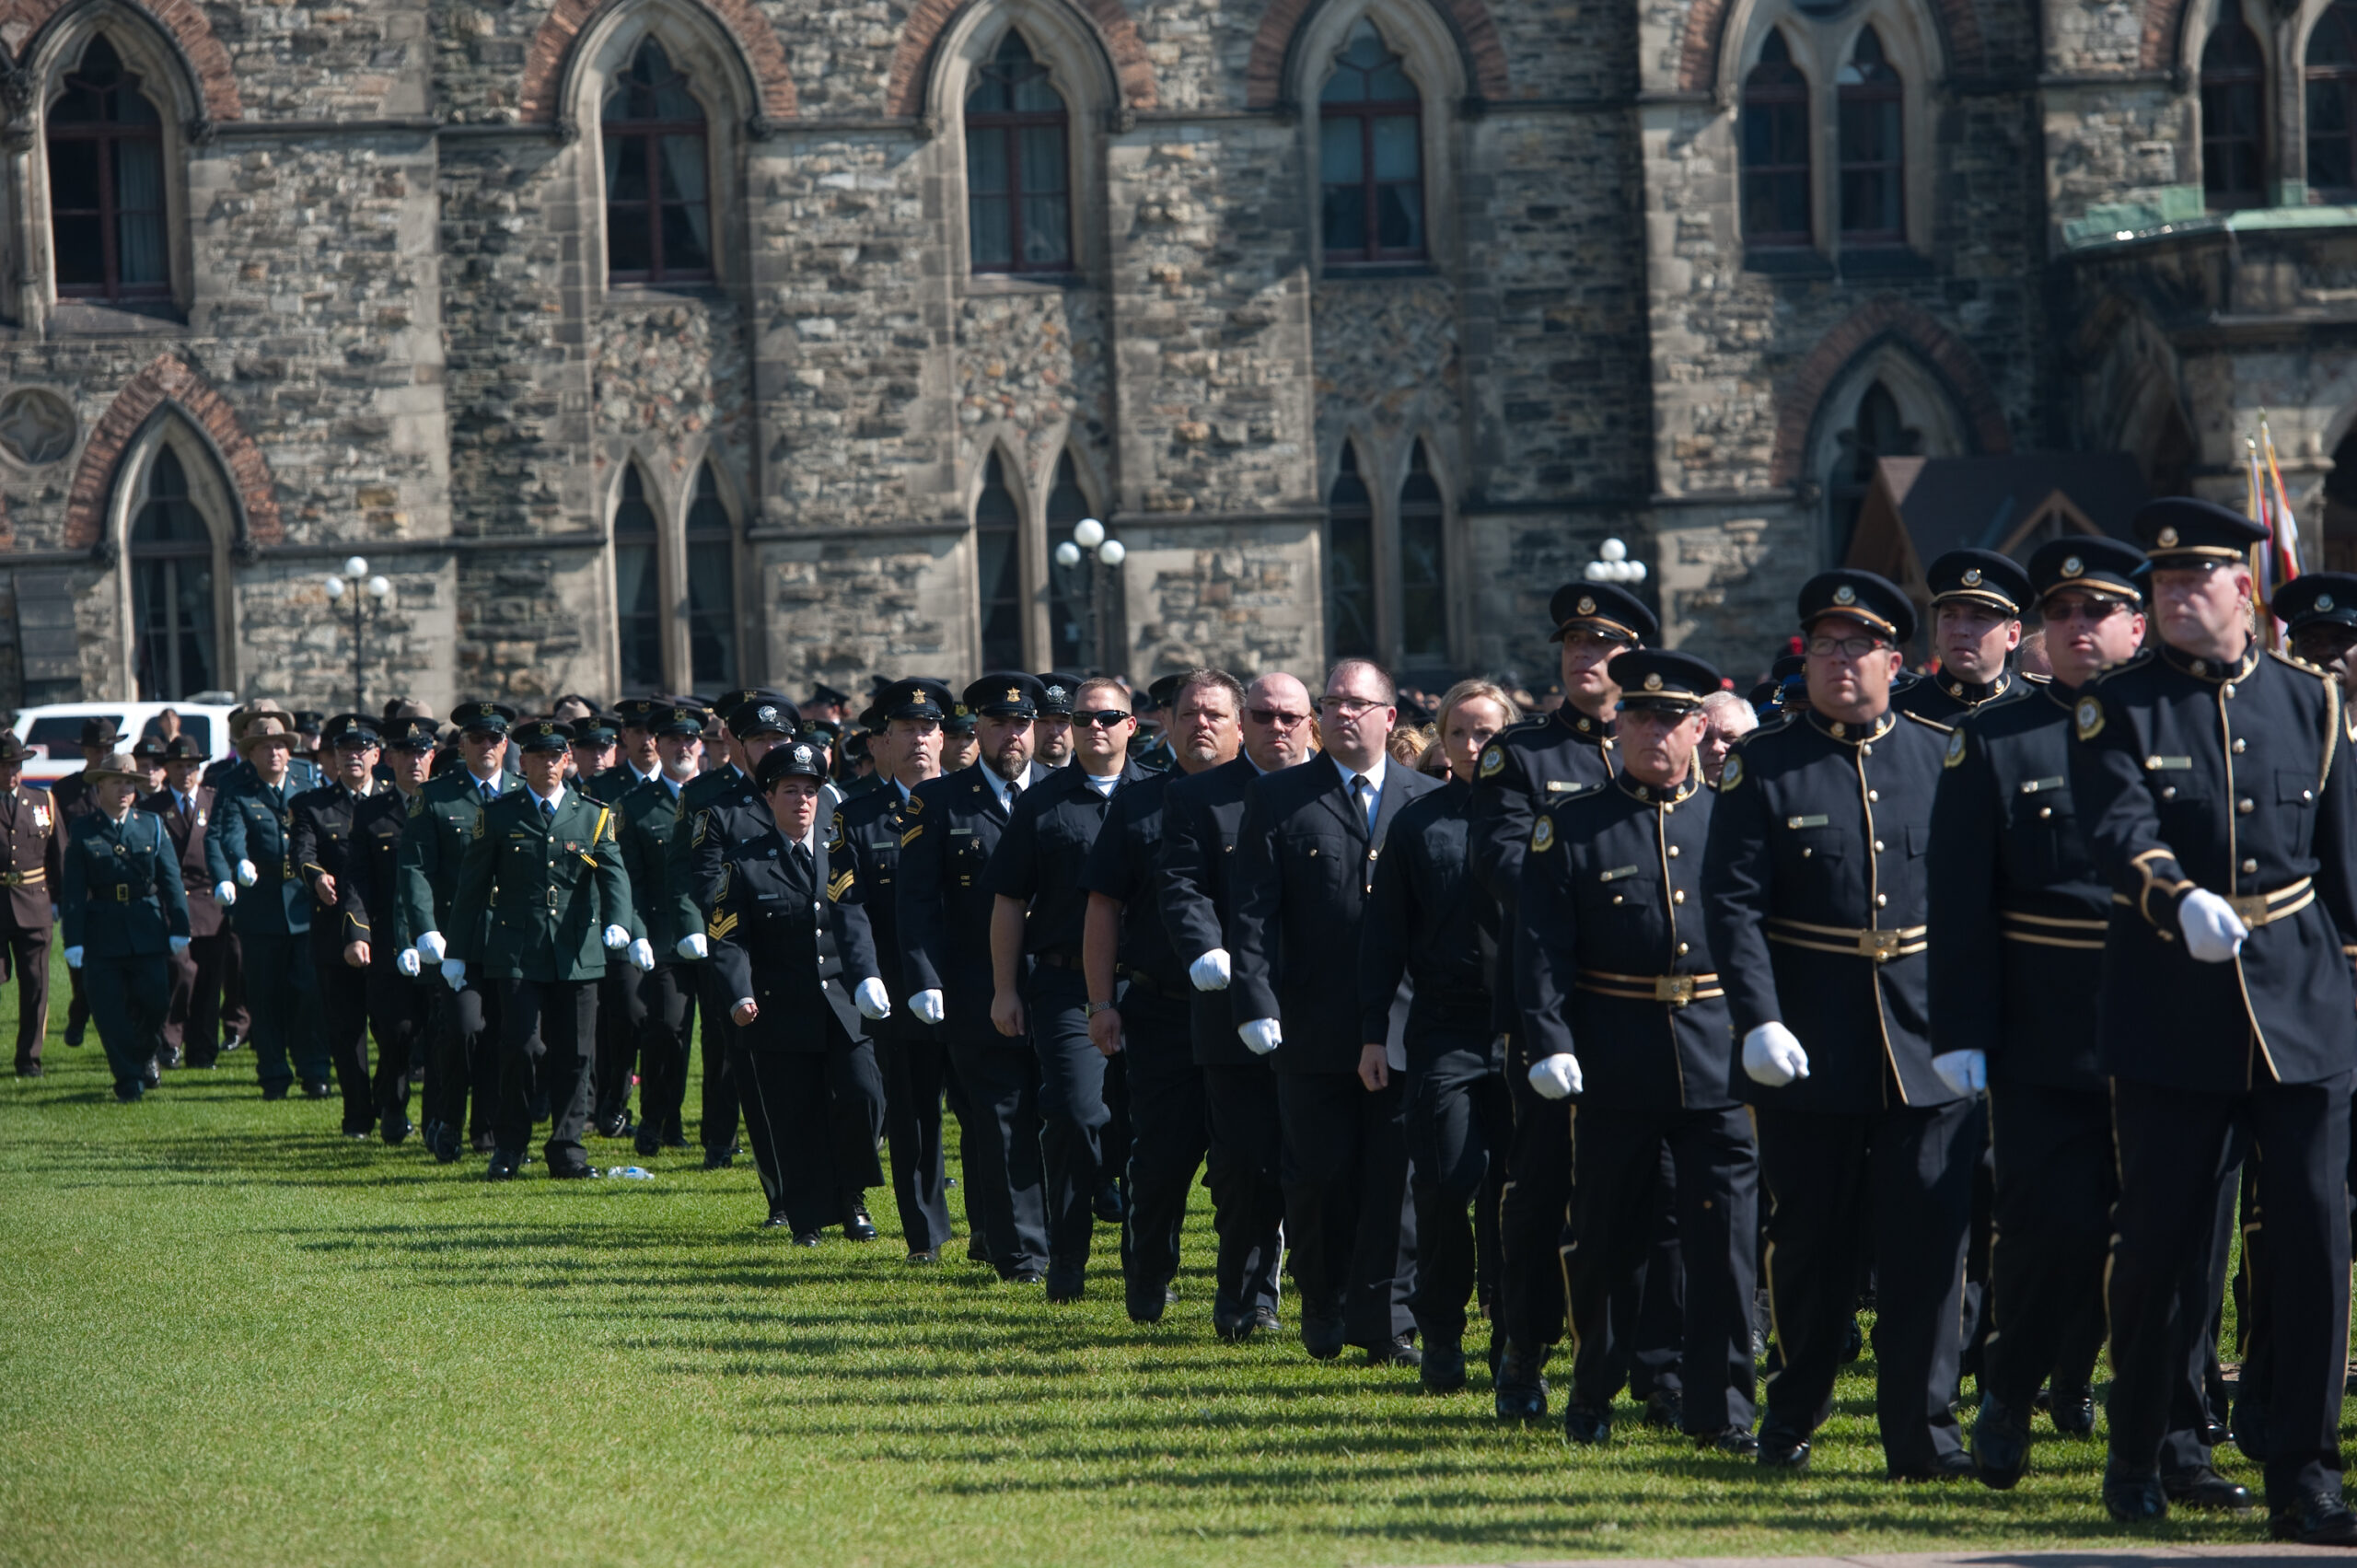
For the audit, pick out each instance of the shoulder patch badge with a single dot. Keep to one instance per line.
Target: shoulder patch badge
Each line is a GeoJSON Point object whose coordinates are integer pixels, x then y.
{"type": "Point", "coordinates": [1732, 775]}
{"type": "Point", "coordinates": [1542, 834]}
{"type": "Point", "coordinates": [704, 819]}
{"type": "Point", "coordinates": [2089, 718]}
{"type": "Point", "coordinates": [1494, 760]}
{"type": "Point", "coordinates": [1956, 749]}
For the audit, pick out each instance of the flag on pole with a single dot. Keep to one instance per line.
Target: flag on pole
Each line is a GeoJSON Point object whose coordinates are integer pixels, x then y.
{"type": "Point", "coordinates": [2276, 563]}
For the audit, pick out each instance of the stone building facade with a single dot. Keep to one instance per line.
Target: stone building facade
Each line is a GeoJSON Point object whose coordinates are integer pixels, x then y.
{"type": "Point", "coordinates": [674, 344]}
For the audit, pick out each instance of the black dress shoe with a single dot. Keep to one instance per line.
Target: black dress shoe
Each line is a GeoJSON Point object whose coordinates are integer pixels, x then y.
{"type": "Point", "coordinates": [1399, 1350]}
{"type": "Point", "coordinates": [858, 1227]}
{"type": "Point", "coordinates": [777, 1220]}
{"type": "Point", "coordinates": [504, 1166]}
{"type": "Point", "coordinates": [1587, 1425]}
{"type": "Point", "coordinates": [675, 1139]}
{"type": "Point", "coordinates": [1736, 1440]}
{"type": "Point", "coordinates": [442, 1141]}
{"type": "Point", "coordinates": [1322, 1338]}
{"type": "Point", "coordinates": [2134, 1499]}
{"type": "Point", "coordinates": [1444, 1369]}
{"type": "Point", "coordinates": [73, 1033]}
{"type": "Point", "coordinates": [1264, 1320]}
{"type": "Point", "coordinates": [396, 1127]}
{"type": "Point", "coordinates": [1146, 1304]}
{"type": "Point", "coordinates": [808, 1237]}
{"type": "Point", "coordinates": [575, 1173]}
{"type": "Point", "coordinates": [1666, 1411]}
{"type": "Point", "coordinates": [926, 1255]}
{"type": "Point", "coordinates": [1783, 1451]}
{"type": "Point", "coordinates": [1235, 1330]}
{"type": "Point", "coordinates": [1947, 1467]}
{"type": "Point", "coordinates": [131, 1093]}
{"type": "Point", "coordinates": [484, 1143]}
{"type": "Point", "coordinates": [317, 1088]}
{"type": "Point", "coordinates": [28, 1070]}
{"type": "Point", "coordinates": [614, 1126]}
{"type": "Point", "coordinates": [1027, 1277]}
{"type": "Point", "coordinates": [2318, 1520]}
{"type": "Point", "coordinates": [1521, 1384]}
{"type": "Point", "coordinates": [646, 1146]}
{"type": "Point", "coordinates": [719, 1159]}
{"type": "Point", "coordinates": [168, 1057]}
{"type": "Point", "coordinates": [2073, 1410]}
{"type": "Point", "coordinates": [1999, 1444]}
{"type": "Point", "coordinates": [1063, 1287]}
{"type": "Point", "coordinates": [2205, 1488]}
{"type": "Point", "coordinates": [274, 1091]}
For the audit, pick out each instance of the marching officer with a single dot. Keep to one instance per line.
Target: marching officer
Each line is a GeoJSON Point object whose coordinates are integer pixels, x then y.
{"type": "Point", "coordinates": [193, 1022]}
{"type": "Point", "coordinates": [250, 858]}
{"type": "Point", "coordinates": [1051, 730]}
{"type": "Point", "coordinates": [594, 746]}
{"type": "Point", "coordinates": [954, 823]}
{"type": "Point", "coordinates": [72, 797]}
{"type": "Point", "coordinates": [368, 911]}
{"type": "Point", "coordinates": [1038, 990]}
{"type": "Point", "coordinates": [122, 910]}
{"type": "Point", "coordinates": [1978, 597]}
{"type": "Point", "coordinates": [784, 900]}
{"type": "Point", "coordinates": [445, 816]}
{"type": "Point", "coordinates": [322, 847]}
{"type": "Point", "coordinates": [596, 774]}
{"type": "Point", "coordinates": [1814, 909]}
{"type": "Point", "coordinates": [636, 762]}
{"type": "Point", "coordinates": [904, 724]}
{"type": "Point", "coordinates": [1624, 1012]}
{"type": "Point", "coordinates": [32, 874]}
{"type": "Point", "coordinates": [663, 1002]}
{"type": "Point", "coordinates": [541, 900]}
{"type": "Point", "coordinates": [2213, 781]}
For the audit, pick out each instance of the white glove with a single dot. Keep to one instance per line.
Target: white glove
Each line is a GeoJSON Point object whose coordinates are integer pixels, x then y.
{"type": "Point", "coordinates": [453, 970]}
{"type": "Point", "coordinates": [2214, 933]}
{"type": "Point", "coordinates": [431, 947]}
{"type": "Point", "coordinates": [1210, 972]}
{"type": "Point", "coordinates": [1772, 1055]}
{"type": "Point", "coordinates": [692, 945]}
{"type": "Point", "coordinates": [73, 958]}
{"type": "Point", "coordinates": [180, 946]}
{"type": "Point", "coordinates": [642, 952]}
{"type": "Point", "coordinates": [617, 938]}
{"type": "Point", "coordinates": [225, 893]}
{"type": "Point", "coordinates": [1260, 1036]}
{"type": "Point", "coordinates": [1966, 1072]}
{"type": "Point", "coordinates": [406, 961]}
{"type": "Point", "coordinates": [1557, 1076]}
{"type": "Point", "coordinates": [927, 1007]}
{"type": "Point", "coordinates": [246, 874]}
{"type": "Point", "coordinates": [872, 1000]}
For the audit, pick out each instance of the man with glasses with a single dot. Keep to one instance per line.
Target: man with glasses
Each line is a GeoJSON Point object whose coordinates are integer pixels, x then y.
{"type": "Point", "coordinates": [1038, 989]}
{"type": "Point", "coordinates": [1978, 597]}
{"type": "Point", "coordinates": [1243, 1166]}
{"type": "Point", "coordinates": [1814, 902]}
{"type": "Point", "coordinates": [2213, 779]}
{"type": "Point", "coordinates": [1527, 768]}
{"type": "Point", "coordinates": [1305, 873]}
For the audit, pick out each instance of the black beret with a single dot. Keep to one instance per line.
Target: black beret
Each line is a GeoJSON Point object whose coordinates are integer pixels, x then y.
{"type": "Point", "coordinates": [2179, 530]}
{"type": "Point", "coordinates": [1979, 576]}
{"type": "Point", "coordinates": [2319, 598]}
{"type": "Point", "coordinates": [1873, 601]}
{"type": "Point", "coordinates": [1656, 678]}
{"type": "Point", "coordinates": [1601, 606]}
{"type": "Point", "coordinates": [2092, 562]}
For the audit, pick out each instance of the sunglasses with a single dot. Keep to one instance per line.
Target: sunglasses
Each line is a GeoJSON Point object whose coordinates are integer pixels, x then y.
{"type": "Point", "coordinates": [1102, 718]}
{"type": "Point", "coordinates": [1275, 716]}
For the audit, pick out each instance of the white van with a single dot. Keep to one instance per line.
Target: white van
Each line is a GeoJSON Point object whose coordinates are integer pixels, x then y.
{"type": "Point", "coordinates": [52, 732]}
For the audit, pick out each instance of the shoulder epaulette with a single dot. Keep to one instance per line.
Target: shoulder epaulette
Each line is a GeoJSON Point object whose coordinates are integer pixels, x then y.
{"type": "Point", "coordinates": [2034, 678]}
{"type": "Point", "coordinates": [2301, 665]}
{"type": "Point", "coordinates": [1927, 723]}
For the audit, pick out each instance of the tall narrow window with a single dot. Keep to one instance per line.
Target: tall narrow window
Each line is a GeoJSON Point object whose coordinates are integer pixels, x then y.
{"type": "Point", "coordinates": [106, 183]}
{"type": "Point", "coordinates": [1072, 645]}
{"type": "Point", "coordinates": [2233, 127]}
{"type": "Point", "coordinates": [638, 587]}
{"type": "Point", "coordinates": [1350, 561]}
{"type": "Point", "coordinates": [998, 570]}
{"type": "Point", "coordinates": [1874, 177]}
{"type": "Point", "coordinates": [2332, 100]}
{"type": "Point", "coordinates": [1423, 565]}
{"type": "Point", "coordinates": [1019, 190]}
{"type": "Point", "coordinates": [712, 587]}
{"type": "Point", "coordinates": [1371, 155]}
{"type": "Point", "coordinates": [1879, 432]}
{"type": "Point", "coordinates": [658, 196]}
{"type": "Point", "coordinates": [171, 588]}
{"type": "Point", "coordinates": [1776, 149]}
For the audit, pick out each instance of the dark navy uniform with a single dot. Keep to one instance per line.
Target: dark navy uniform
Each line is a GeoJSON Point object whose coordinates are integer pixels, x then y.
{"type": "Point", "coordinates": [368, 909]}
{"type": "Point", "coordinates": [255, 822]}
{"type": "Point", "coordinates": [730, 789]}
{"type": "Point", "coordinates": [2199, 781]}
{"type": "Point", "coordinates": [121, 909]}
{"type": "Point", "coordinates": [1432, 923]}
{"type": "Point", "coordinates": [322, 847]}
{"type": "Point", "coordinates": [1616, 973]}
{"type": "Point", "coordinates": [1243, 1166]}
{"type": "Point", "coordinates": [1815, 906]}
{"type": "Point", "coordinates": [663, 1001]}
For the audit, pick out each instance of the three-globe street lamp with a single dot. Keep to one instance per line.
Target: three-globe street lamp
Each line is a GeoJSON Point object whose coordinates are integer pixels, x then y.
{"type": "Point", "coordinates": [363, 588]}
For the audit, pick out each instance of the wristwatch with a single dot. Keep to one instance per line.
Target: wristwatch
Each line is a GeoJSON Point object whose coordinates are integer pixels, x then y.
{"type": "Point", "coordinates": [1096, 1007]}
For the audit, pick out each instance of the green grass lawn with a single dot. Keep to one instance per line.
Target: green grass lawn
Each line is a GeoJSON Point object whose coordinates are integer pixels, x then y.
{"type": "Point", "coordinates": [233, 1337]}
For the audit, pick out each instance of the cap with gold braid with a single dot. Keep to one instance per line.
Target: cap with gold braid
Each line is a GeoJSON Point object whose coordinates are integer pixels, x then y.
{"type": "Point", "coordinates": [1602, 608]}
{"type": "Point", "coordinates": [2180, 530]}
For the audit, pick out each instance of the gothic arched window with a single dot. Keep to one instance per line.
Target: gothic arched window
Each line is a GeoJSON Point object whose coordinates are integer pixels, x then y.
{"type": "Point", "coordinates": [2234, 124]}
{"type": "Point", "coordinates": [1370, 155]}
{"type": "Point", "coordinates": [1423, 565]}
{"type": "Point", "coordinates": [638, 587]}
{"type": "Point", "coordinates": [175, 651]}
{"type": "Point", "coordinates": [1018, 181]}
{"type": "Point", "coordinates": [1070, 645]}
{"type": "Point", "coordinates": [106, 183]}
{"type": "Point", "coordinates": [998, 570]}
{"type": "Point", "coordinates": [1350, 561]}
{"type": "Point", "coordinates": [1873, 174]}
{"type": "Point", "coordinates": [711, 586]}
{"type": "Point", "coordinates": [1878, 431]}
{"type": "Point", "coordinates": [658, 193]}
{"type": "Point", "coordinates": [2332, 100]}
{"type": "Point", "coordinates": [1776, 149]}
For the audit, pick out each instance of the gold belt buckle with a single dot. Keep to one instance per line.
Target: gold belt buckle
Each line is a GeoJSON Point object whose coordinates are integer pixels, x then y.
{"type": "Point", "coordinates": [2249, 908]}
{"type": "Point", "coordinates": [1677, 990]}
{"type": "Point", "coordinates": [122, 892]}
{"type": "Point", "coordinates": [1880, 945]}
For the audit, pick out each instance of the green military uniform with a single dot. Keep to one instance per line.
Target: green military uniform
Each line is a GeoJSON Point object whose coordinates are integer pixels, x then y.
{"type": "Point", "coordinates": [541, 897]}
{"type": "Point", "coordinates": [123, 910]}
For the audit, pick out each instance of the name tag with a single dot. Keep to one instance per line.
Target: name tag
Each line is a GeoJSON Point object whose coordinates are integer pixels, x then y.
{"type": "Point", "coordinates": [2166, 765]}
{"type": "Point", "coordinates": [961, 832]}
{"type": "Point", "coordinates": [1616, 874]}
{"type": "Point", "coordinates": [1568, 786]}
{"type": "Point", "coordinates": [1817, 822]}
{"type": "Point", "coordinates": [2031, 786]}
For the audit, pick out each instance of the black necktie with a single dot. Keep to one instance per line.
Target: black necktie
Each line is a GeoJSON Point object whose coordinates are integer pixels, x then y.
{"type": "Point", "coordinates": [548, 811]}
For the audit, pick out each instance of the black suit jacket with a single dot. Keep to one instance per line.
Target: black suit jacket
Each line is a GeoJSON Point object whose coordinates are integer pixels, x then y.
{"type": "Point", "coordinates": [1305, 874]}
{"type": "Point", "coordinates": [1196, 889]}
{"type": "Point", "coordinates": [953, 823]}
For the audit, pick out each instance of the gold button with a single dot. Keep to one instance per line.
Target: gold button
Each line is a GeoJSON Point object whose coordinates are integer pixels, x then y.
{"type": "Point", "coordinates": [1681, 949]}
{"type": "Point", "coordinates": [1865, 749]}
{"type": "Point", "coordinates": [2241, 746]}
{"type": "Point", "coordinates": [2230, 688]}
{"type": "Point", "coordinates": [1878, 846]}
{"type": "Point", "coordinates": [1673, 852]}
{"type": "Point", "coordinates": [2168, 792]}
{"type": "Point", "coordinates": [1679, 897]}
{"type": "Point", "coordinates": [2044, 812]}
{"type": "Point", "coordinates": [1873, 794]}
{"type": "Point", "coordinates": [1617, 899]}
{"type": "Point", "coordinates": [1882, 901]}
{"type": "Point", "coordinates": [2244, 806]}
{"type": "Point", "coordinates": [2249, 867]}
{"type": "Point", "coordinates": [1806, 852]}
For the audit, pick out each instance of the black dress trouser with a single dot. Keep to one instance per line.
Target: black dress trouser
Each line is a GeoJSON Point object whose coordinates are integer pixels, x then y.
{"type": "Point", "coordinates": [1244, 1167]}
{"type": "Point", "coordinates": [25, 951]}
{"type": "Point", "coordinates": [1169, 1134]}
{"type": "Point", "coordinates": [283, 995]}
{"type": "Point", "coordinates": [1903, 1178]}
{"type": "Point", "coordinates": [128, 996]}
{"type": "Point", "coordinates": [1617, 1174]}
{"type": "Point", "coordinates": [397, 1017]}
{"type": "Point", "coordinates": [791, 1126]}
{"type": "Point", "coordinates": [2175, 1147]}
{"type": "Point", "coordinates": [659, 1007]}
{"type": "Point", "coordinates": [1073, 1115]}
{"type": "Point", "coordinates": [1000, 1152]}
{"type": "Point", "coordinates": [1347, 1214]}
{"type": "Point", "coordinates": [343, 1009]}
{"type": "Point", "coordinates": [1461, 1124]}
{"type": "Point", "coordinates": [463, 1063]}
{"type": "Point", "coordinates": [915, 1064]}
{"type": "Point", "coordinates": [548, 1040]}
{"type": "Point", "coordinates": [2056, 1184]}
{"type": "Point", "coordinates": [717, 1128]}
{"type": "Point", "coordinates": [618, 1012]}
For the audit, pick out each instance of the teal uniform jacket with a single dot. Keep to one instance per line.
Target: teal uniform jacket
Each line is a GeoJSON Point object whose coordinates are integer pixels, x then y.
{"type": "Point", "coordinates": [534, 895]}
{"type": "Point", "coordinates": [257, 824]}
{"type": "Point", "coordinates": [121, 896]}
{"type": "Point", "coordinates": [444, 815]}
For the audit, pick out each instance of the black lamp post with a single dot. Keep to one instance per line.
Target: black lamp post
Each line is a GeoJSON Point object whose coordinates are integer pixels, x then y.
{"type": "Point", "coordinates": [1088, 539]}
{"type": "Point", "coordinates": [363, 588]}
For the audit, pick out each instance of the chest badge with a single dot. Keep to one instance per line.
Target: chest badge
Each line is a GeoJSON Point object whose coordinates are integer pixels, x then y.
{"type": "Point", "coordinates": [2089, 718]}
{"type": "Point", "coordinates": [1956, 749]}
{"type": "Point", "coordinates": [1732, 775]}
{"type": "Point", "coordinates": [1493, 761]}
{"type": "Point", "coordinates": [1543, 835]}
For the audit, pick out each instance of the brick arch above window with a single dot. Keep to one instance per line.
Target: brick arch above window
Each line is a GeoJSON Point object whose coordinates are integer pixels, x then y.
{"type": "Point", "coordinates": [904, 90]}
{"type": "Point", "coordinates": [23, 21]}
{"type": "Point", "coordinates": [757, 44]}
{"type": "Point", "coordinates": [1709, 30]}
{"type": "Point", "coordinates": [167, 380]}
{"type": "Point", "coordinates": [1476, 33]}
{"type": "Point", "coordinates": [1885, 319]}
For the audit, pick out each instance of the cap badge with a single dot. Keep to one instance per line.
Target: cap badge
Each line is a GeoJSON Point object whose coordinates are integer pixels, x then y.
{"type": "Point", "coordinates": [2324, 601]}
{"type": "Point", "coordinates": [1587, 605]}
{"type": "Point", "coordinates": [1845, 594]}
{"type": "Point", "coordinates": [1015, 693]}
{"type": "Point", "coordinates": [2072, 565]}
{"type": "Point", "coordinates": [1972, 577]}
{"type": "Point", "coordinates": [1652, 682]}
{"type": "Point", "coordinates": [766, 714]}
{"type": "Point", "coordinates": [1055, 694]}
{"type": "Point", "coordinates": [802, 754]}
{"type": "Point", "coordinates": [2168, 538]}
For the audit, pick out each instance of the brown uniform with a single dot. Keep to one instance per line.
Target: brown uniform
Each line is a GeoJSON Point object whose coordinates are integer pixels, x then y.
{"type": "Point", "coordinates": [29, 825]}
{"type": "Point", "coordinates": [192, 1021]}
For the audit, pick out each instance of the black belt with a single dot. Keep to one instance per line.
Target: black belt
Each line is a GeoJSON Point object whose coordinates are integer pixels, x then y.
{"type": "Point", "coordinates": [1057, 960]}
{"type": "Point", "coordinates": [1147, 983]}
